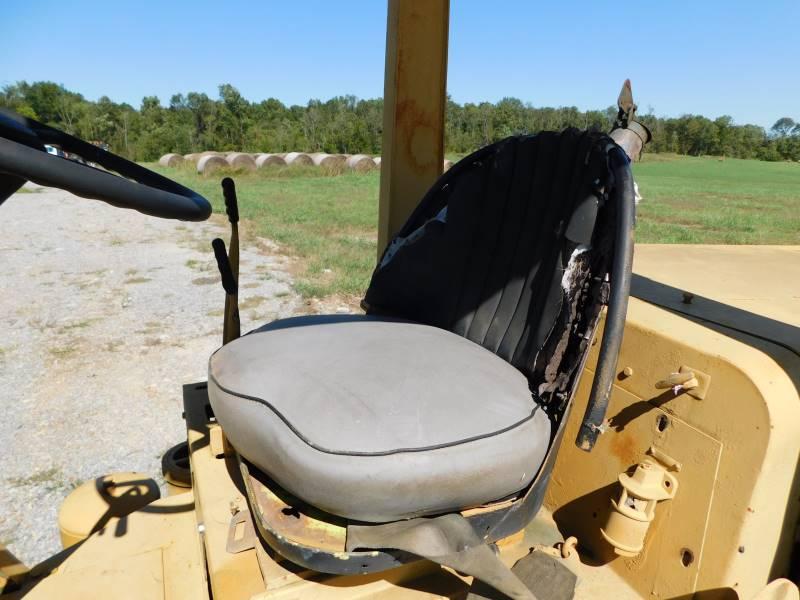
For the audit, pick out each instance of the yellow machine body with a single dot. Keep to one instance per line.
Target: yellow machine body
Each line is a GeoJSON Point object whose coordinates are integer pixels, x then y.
{"type": "Point", "coordinates": [93, 504]}
{"type": "Point", "coordinates": [733, 439]}
{"type": "Point", "coordinates": [707, 393]}
{"type": "Point", "coordinates": [729, 443]}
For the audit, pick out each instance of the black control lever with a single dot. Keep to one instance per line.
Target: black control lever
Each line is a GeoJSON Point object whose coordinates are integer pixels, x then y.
{"type": "Point", "coordinates": [231, 328]}
{"type": "Point", "coordinates": [224, 266]}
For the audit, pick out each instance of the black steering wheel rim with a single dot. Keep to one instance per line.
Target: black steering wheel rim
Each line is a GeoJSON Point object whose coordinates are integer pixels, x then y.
{"type": "Point", "coordinates": [23, 156]}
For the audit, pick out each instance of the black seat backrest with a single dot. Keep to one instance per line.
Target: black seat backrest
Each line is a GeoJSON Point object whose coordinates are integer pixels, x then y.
{"type": "Point", "coordinates": [504, 248]}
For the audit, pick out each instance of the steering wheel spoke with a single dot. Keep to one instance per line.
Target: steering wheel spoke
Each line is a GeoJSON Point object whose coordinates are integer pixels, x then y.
{"type": "Point", "coordinates": [22, 155]}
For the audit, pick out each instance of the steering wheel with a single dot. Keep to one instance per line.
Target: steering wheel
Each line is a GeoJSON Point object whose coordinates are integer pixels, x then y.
{"type": "Point", "coordinates": [23, 157]}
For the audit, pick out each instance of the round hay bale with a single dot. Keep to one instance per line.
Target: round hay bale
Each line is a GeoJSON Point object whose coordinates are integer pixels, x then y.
{"type": "Point", "coordinates": [269, 160]}
{"type": "Point", "coordinates": [377, 161]}
{"type": "Point", "coordinates": [212, 153]}
{"type": "Point", "coordinates": [298, 158]}
{"type": "Point", "coordinates": [330, 161]}
{"type": "Point", "coordinates": [240, 160]}
{"type": "Point", "coordinates": [210, 163]}
{"type": "Point", "coordinates": [447, 164]}
{"type": "Point", "coordinates": [361, 163]}
{"type": "Point", "coordinates": [170, 160]}
{"type": "Point", "coordinates": [193, 157]}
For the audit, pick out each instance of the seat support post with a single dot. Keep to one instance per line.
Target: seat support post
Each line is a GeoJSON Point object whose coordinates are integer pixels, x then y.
{"type": "Point", "coordinates": [414, 100]}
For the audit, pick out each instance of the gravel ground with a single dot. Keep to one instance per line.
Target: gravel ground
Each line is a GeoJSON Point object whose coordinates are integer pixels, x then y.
{"type": "Point", "coordinates": [106, 313]}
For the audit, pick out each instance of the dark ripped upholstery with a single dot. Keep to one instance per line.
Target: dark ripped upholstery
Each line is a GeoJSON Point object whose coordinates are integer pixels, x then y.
{"type": "Point", "coordinates": [491, 269]}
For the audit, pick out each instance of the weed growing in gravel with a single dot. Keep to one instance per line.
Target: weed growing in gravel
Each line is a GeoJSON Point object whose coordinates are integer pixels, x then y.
{"type": "Point", "coordinates": [251, 302]}
{"type": "Point", "coordinates": [50, 479]}
{"type": "Point", "coordinates": [138, 280]}
{"type": "Point", "coordinates": [67, 327]}
{"type": "Point", "coordinates": [205, 280]}
{"type": "Point", "coordinates": [199, 265]}
{"type": "Point", "coordinates": [63, 351]}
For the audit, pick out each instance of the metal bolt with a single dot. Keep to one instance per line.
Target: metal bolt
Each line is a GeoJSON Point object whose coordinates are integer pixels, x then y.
{"type": "Point", "coordinates": [741, 549]}
{"type": "Point", "coordinates": [687, 297]}
{"type": "Point", "coordinates": [627, 371]}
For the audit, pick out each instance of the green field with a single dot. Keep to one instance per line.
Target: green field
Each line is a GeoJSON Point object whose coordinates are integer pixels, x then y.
{"type": "Point", "coordinates": [706, 200]}
{"type": "Point", "coordinates": [328, 221]}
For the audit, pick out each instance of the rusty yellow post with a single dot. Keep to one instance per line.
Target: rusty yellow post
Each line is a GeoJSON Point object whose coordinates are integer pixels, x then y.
{"type": "Point", "coordinates": [413, 108]}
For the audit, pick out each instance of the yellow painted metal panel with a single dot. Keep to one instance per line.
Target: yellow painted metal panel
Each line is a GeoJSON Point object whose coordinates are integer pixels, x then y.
{"type": "Point", "coordinates": [233, 576]}
{"type": "Point", "coordinates": [763, 280]}
{"type": "Point", "coordinates": [751, 409]}
{"type": "Point", "coordinates": [135, 577]}
{"type": "Point", "coordinates": [585, 506]}
{"type": "Point", "coordinates": [413, 108]}
{"type": "Point", "coordinates": [152, 553]}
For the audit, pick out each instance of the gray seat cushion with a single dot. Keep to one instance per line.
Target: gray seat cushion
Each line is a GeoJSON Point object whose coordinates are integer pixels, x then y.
{"type": "Point", "coordinates": [377, 419]}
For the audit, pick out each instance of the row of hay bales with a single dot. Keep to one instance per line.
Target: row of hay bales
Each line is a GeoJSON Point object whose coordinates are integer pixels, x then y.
{"type": "Point", "coordinates": [207, 162]}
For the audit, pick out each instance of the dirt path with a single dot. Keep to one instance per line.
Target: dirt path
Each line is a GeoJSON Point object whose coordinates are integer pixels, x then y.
{"type": "Point", "coordinates": [105, 313]}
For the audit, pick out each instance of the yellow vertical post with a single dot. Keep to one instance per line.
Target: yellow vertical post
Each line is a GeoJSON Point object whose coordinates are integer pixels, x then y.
{"type": "Point", "coordinates": [414, 99]}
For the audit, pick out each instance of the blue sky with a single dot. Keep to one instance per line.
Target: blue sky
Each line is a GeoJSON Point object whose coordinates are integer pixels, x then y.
{"type": "Point", "coordinates": [710, 57]}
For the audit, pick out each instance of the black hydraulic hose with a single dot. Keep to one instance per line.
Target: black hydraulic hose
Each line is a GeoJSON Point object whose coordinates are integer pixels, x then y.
{"type": "Point", "coordinates": [623, 197]}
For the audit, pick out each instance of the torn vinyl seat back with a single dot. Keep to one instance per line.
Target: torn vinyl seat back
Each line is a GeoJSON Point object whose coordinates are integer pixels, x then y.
{"type": "Point", "coordinates": [450, 393]}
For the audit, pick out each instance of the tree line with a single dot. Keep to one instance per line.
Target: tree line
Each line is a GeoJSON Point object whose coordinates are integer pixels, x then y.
{"type": "Point", "coordinates": [195, 122]}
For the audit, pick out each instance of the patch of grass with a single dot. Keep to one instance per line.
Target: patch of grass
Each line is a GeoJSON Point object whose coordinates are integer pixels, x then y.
{"type": "Point", "coordinates": [251, 302]}
{"type": "Point", "coordinates": [63, 351]}
{"type": "Point", "coordinates": [138, 280]}
{"type": "Point", "coordinates": [66, 328]}
{"type": "Point", "coordinates": [205, 280]}
{"type": "Point", "coordinates": [329, 222]}
{"type": "Point", "coordinates": [51, 479]}
{"type": "Point", "coordinates": [28, 190]}
{"type": "Point", "coordinates": [46, 476]}
{"type": "Point", "coordinates": [198, 265]}
{"type": "Point", "coordinates": [114, 345]}
{"type": "Point", "coordinates": [707, 200]}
